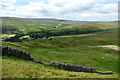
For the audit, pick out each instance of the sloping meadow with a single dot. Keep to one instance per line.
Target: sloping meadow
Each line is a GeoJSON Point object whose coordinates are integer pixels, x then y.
{"type": "Point", "coordinates": [74, 49]}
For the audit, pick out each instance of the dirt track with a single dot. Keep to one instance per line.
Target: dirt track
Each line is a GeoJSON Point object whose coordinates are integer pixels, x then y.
{"type": "Point", "coordinates": [114, 47]}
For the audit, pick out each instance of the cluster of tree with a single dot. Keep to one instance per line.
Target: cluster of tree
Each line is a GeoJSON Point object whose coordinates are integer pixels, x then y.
{"type": "Point", "coordinates": [39, 34]}
{"type": "Point", "coordinates": [16, 37]}
{"type": "Point", "coordinates": [54, 32]}
{"type": "Point", "coordinates": [60, 32]}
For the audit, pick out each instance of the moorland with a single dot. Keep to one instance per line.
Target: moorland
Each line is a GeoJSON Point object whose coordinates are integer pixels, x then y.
{"type": "Point", "coordinates": [65, 41]}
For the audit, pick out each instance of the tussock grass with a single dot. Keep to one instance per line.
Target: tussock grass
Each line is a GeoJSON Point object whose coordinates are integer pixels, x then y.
{"type": "Point", "coordinates": [17, 68]}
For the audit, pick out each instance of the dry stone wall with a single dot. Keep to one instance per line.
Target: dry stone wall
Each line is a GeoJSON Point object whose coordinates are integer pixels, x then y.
{"type": "Point", "coordinates": [6, 51]}
{"type": "Point", "coordinates": [77, 68]}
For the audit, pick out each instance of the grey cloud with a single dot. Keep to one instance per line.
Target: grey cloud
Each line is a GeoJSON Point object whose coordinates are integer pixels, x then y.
{"type": "Point", "coordinates": [3, 5]}
{"type": "Point", "coordinates": [73, 11]}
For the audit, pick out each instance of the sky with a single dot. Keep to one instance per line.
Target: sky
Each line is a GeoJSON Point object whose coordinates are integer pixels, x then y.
{"type": "Point", "coordinates": [80, 10]}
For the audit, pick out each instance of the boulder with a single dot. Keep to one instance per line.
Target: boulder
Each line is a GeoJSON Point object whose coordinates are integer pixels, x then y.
{"type": "Point", "coordinates": [49, 39]}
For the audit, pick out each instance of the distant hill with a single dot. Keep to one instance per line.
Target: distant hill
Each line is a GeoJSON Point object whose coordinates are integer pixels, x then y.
{"type": "Point", "coordinates": [33, 24]}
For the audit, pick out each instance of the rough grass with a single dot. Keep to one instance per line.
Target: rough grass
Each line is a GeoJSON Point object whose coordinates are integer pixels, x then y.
{"type": "Point", "coordinates": [74, 50]}
{"type": "Point", "coordinates": [17, 68]}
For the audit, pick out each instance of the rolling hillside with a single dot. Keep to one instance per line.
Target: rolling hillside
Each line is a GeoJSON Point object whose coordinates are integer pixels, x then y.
{"type": "Point", "coordinates": [27, 24]}
{"type": "Point", "coordinates": [73, 42]}
{"type": "Point", "coordinates": [73, 50]}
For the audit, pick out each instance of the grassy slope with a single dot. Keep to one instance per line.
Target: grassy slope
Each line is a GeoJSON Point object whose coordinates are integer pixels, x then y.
{"type": "Point", "coordinates": [71, 49]}
{"type": "Point", "coordinates": [16, 68]}
{"type": "Point", "coordinates": [100, 25]}
{"type": "Point", "coordinates": [74, 50]}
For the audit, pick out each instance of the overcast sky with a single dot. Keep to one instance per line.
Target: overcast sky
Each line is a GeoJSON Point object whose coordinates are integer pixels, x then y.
{"type": "Point", "coordinates": [81, 10]}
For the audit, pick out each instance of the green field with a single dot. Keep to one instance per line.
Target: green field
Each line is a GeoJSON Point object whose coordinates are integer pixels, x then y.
{"type": "Point", "coordinates": [70, 49]}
